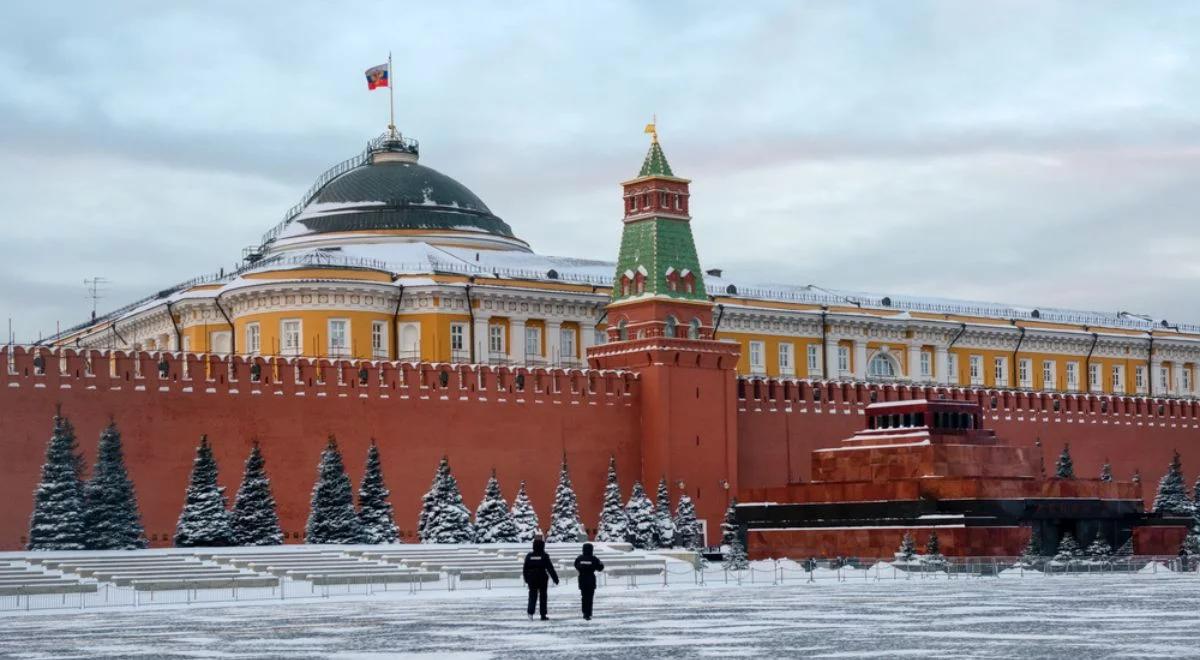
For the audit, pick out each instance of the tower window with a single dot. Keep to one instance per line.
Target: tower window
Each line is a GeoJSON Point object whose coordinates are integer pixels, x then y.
{"type": "Point", "coordinates": [677, 206]}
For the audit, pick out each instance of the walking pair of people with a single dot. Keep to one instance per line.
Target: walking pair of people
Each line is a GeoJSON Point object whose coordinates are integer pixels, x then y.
{"type": "Point", "coordinates": [539, 570]}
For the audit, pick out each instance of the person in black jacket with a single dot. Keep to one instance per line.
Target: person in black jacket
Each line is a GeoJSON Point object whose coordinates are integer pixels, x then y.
{"type": "Point", "coordinates": [588, 565]}
{"type": "Point", "coordinates": [538, 572]}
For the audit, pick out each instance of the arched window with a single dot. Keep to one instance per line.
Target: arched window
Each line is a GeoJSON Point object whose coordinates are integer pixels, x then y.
{"type": "Point", "coordinates": [622, 331]}
{"type": "Point", "coordinates": [669, 330]}
{"type": "Point", "coordinates": [694, 329]}
{"type": "Point", "coordinates": [881, 366]}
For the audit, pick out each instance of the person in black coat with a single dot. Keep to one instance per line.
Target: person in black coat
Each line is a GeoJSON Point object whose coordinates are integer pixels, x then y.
{"type": "Point", "coordinates": [588, 565]}
{"type": "Point", "coordinates": [538, 572]}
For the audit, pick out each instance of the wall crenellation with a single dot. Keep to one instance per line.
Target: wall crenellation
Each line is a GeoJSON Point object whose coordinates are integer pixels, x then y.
{"type": "Point", "coordinates": [774, 395]}
{"type": "Point", "coordinates": [54, 368]}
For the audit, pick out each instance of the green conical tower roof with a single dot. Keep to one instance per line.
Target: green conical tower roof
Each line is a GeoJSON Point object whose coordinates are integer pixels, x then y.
{"type": "Point", "coordinates": [656, 161]}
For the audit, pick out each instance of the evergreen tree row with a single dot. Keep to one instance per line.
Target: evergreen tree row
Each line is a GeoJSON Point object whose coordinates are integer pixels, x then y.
{"type": "Point", "coordinates": [444, 518]}
{"type": "Point", "coordinates": [71, 514]}
{"type": "Point", "coordinates": [206, 519]}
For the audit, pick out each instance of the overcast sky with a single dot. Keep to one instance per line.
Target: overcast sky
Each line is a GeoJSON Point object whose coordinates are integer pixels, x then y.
{"type": "Point", "coordinates": [1028, 152]}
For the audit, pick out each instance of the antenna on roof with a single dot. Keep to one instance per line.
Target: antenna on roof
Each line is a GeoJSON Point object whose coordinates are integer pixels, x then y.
{"type": "Point", "coordinates": [95, 290]}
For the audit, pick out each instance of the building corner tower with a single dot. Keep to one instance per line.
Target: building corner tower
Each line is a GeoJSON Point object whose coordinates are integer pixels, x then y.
{"type": "Point", "coordinates": [660, 325]}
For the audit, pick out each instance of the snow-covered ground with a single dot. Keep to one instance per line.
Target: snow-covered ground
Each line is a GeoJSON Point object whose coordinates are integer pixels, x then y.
{"type": "Point", "coordinates": [1065, 616]}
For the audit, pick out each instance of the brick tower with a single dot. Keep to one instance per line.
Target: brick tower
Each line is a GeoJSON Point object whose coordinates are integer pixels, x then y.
{"type": "Point", "coordinates": [660, 325]}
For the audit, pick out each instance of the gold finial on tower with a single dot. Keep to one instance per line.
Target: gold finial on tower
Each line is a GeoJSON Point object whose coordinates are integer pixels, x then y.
{"type": "Point", "coordinates": [652, 128]}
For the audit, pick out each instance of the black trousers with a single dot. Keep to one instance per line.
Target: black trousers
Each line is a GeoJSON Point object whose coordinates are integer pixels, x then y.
{"type": "Point", "coordinates": [537, 594]}
{"type": "Point", "coordinates": [588, 595]}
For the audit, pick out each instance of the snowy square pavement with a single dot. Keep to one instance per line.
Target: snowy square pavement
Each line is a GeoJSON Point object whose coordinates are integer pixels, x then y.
{"type": "Point", "coordinates": [1073, 617]}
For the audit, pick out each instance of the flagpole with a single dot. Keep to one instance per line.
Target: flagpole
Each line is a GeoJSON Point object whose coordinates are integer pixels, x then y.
{"type": "Point", "coordinates": [391, 97]}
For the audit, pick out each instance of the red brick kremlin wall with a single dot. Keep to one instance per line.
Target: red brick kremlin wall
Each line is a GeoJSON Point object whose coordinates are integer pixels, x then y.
{"type": "Point", "coordinates": [780, 423]}
{"type": "Point", "coordinates": [480, 418]}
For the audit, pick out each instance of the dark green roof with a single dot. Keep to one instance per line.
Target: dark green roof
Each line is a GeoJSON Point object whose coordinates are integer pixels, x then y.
{"type": "Point", "coordinates": [656, 162]}
{"type": "Point", "coordinates": [398, 195]}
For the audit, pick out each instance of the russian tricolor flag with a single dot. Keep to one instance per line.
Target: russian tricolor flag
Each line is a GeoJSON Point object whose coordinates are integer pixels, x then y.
{"type": "Point", "coordinates": [377, 76]}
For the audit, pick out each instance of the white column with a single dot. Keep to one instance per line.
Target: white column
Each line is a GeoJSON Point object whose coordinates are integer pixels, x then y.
{"type": "Point", "coordinates": [1176, 377]}
{"type": "Point", "coordinates": [859, 365]}
{"type": "Point", "coordinates": [480, 336]}
{"type": "Point", "coordinates": [831, 357]}
{"type": "Point", "coordinates": [913, 362]}
{"type": "Point", "coordinates": [554, 342]}
{"type": "Point", "coordinates": [941, 366]}
{"type": "Point", "coordinates": [587, 337]}
{"type": "Point", "coordinates": [516, 341]}
{"type": "Point", "coordinates": [1155, 383]}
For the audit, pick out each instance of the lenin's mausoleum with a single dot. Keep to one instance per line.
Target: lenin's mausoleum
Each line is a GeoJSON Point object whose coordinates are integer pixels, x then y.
{"type": "Point", "coordinates": [392, 305]}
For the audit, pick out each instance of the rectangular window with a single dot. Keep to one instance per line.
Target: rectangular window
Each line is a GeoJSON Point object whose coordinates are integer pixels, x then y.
{"type": "Point", "coordinates": [1186, 380]}
{"type": "Point", "coordinates": [926, 364]}
{"type": "Point", "coordinates": [1049, 375]}
{"type": "Point", "coordinates": [1164, 380]}
{"type": "Point", "coordinates": [566, 340]}
{"type": "Point", "coordinates": [756, 357]}
{"type": "Point", "coordinates": [533, 342]}
{"type": "Point", "coordinates": [1094, 379]}
{"type": "Point", "coordinates": [1072, 376]}
{"type": "Point", "coordinates": [379, 340]}
{"type": "Point", "coordinates": [339, 337]}
{"type": "Point", "coordinates": [600, 337]}
{"type": "Point", "coordinates": [458, 337]}
{"type": "Point", "coordinates": [1118, 379]}
{"type": "Point", "coordinates": [786, 368]}
{"type": "Point", "coordinates": [1025, 372]}
{"type": "Point", "coordinates": [976, 366]}
{"type": "Point", "coordinates": [1000, 371]}
{"type": "Point", "coordinates": [253, 339]}
{"type": "Point", "coordinates": [952, 367]}
{"type": "Point", "coordinates": [496, 339]}
{"type": "Point", "coordinates": [843, 360]}
{"type": "Point", "coordinates": [1139, 379]}
{"type": "Point", "coordinates": [814, 360]}
{"type": "Point", "coordinates": [289, 337]}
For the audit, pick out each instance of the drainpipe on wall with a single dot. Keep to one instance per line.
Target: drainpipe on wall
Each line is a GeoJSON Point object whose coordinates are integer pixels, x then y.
{"type": "Point", "coordinates": [232, 330]}
{"type": "Point", "coordinates": [824, 350]}
{"type": "Point", "coordinates": [717, 323]}
{"type": "Point", "coordinates": [471, 315]}
{"type": "Point", "coordinates": [1016, 350]}
{"type": "Point", "coordinates": [113, 326]}
{"type": "Point", "coordinates": [396, 324]}
{"type": "Point", "coordinates": [949, 346]}
{"type": "Point", "coordinates": [1087, 363]}
{"type": "Point", "coordinates": [1150, 376]}
{"type": "Point", "coordinates": [175, 325]}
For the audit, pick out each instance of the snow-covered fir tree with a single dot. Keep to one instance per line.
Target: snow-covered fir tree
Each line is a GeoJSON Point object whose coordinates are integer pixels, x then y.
{"type": "Point", "coordinates": [1065, 468]}
{"type": "Point", "coordinates": [58, 515]}
{"type": "Point", "coordinates": [493, 521]}
{"type": "Point", "coordinates": [933, 546]}
{"type": "Point", "coordinates": [525, 518]}
{"type": "Point", "coordinates": [688, 532]}
{"type": "Point", "coordinates": [734, 556]}
{"type": "Point", "coordinates": [908, 547]}
{"type": "Point", "coordinates": [331, 515]}
{"type": "Point", "coordinates": [255, 519]}
{"type": "Point", "coordinates": [565, 526]}
{"type": "Point", "coordinates": [375, 514]}
{"type": "Point", "coordinates": [729, 526]}
{"type": "Point", "coordinates": [1191, 542]}
{"type": "Point", "coordinates": [1172, 497]}
{"type": "Point", "coordinates": [1137, 477]}
{"type": "Point", "coordinates": [1106, 472]}
{"type": "Point", "coordinates": [1196, 498]}
{"type": "Point", "coordinates": [664, 529]}
{"type": "Point", "coordinates": [429, 500]}
{"type": "Point", "coordinates": [111, 518]}
{"type": "Point", "coordinates": [613, 523]}
{"type": "Point", "coordinates": [642, 521]}
{"type": "Point", "coordinates": [449, 520]}
{"type": "Point", "coordinates": [205, 519]}
{"type": "Point", "coordinates": [1126, 549]}
{"type": "Point", "coordinates": [1099, 548]}
{"type": "Point", "coordinates": [1032, 554]}
{"type": "Point", "coordinates": [1068, 548]}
